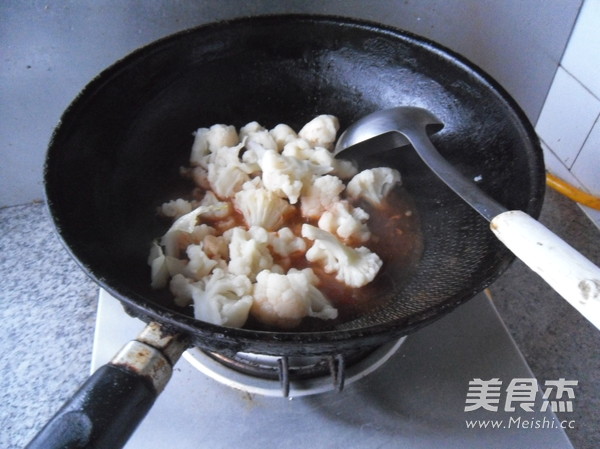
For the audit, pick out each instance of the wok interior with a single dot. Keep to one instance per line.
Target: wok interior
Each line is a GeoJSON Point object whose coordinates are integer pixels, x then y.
{"type": "Point", "coordinates": [116, 155]}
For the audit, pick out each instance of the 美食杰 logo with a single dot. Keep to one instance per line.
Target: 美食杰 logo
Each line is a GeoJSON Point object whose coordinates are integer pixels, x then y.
{"type": "Point", "coordinates": [520, 394]}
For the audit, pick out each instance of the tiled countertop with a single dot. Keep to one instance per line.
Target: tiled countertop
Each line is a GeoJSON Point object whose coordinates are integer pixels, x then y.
{"type": "Point", "coordinates": [48, 309]}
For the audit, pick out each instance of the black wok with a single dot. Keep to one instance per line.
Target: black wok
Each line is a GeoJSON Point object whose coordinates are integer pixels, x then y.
{"type": "Point", "coordinates": [116, 155]}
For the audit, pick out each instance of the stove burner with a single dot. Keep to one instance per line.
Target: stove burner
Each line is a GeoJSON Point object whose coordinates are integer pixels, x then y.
{"type": "Point", "coordinates": [288, 369]}
{"type": "Point", "coordinates": [290, 376]}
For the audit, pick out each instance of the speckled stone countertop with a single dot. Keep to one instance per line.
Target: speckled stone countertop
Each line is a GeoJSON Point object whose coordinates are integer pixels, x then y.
{"type": "Point", "coordinates": [47, 316]}
{"type": "Point", "coordinates": [48, 310]}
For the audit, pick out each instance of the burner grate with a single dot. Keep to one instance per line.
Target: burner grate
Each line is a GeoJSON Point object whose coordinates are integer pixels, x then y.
{"type": "Point", "coordinates": [288, 369]}
{"type": "Point", "coordinates": [290, 376]}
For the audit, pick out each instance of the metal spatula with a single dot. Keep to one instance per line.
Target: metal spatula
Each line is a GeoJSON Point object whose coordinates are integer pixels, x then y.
{"type": "Point", "coordinates": [568, 272]}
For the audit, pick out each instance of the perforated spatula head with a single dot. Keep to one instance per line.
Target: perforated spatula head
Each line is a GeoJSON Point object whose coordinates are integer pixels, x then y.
{"type": "Point", "coordinates": [404, 126]}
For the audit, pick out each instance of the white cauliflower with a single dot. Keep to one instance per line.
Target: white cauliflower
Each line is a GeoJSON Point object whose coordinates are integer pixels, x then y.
{"type": "Point", "coordinates": [200, 177]}
{"type": "Point", "coordinates": [344, 169]}
{"type": "Point", "coordinates": [256, 144]}
{"type": "Point", "coordinates": [256, 140]}
{"type": "Point", "coordinates": [163, 267]}
{"type": "Point", "coordinates": [220, 136]}
{"type": "Point", "coordinates": [320, 195]}
{"type": "Point", "coordinates": [189, 221]}
{"type": "Point", "coordinates": [283, 134]}
{"type": "Point", "coordinates": [225, 156]}
{"type": "Point", "coordinates": [355, 267]}
{"type": "Point", "coordinates": [248, 251]}
{"type": "Point", "coordinates": [186, 230]}
{"type": "Point", "coordinates": [251, 128]}
{"type": "Point", "coordinates": [261, 207]}
{"type": "Point", "coordinates": [176, 208]}
{"type": "Point", "coordinates": [270, 177]}
{"type": "Point", "coordinates": [349, 223]}
{"type": "Point", "coordinates": [200, 152]}
{"type": "Point", "coordinates": [284, 175]}
{"type": "Point", "coordinates": [284, 242]}
{"type": "Point", "coordinates": [222, 298]}
{"type": "Point", "coordinates": [215, 209]}
{"type": "Point", "coordinates": [226, 172]}
{"type": "Point", "coordinates": [262, 139]}
{"type": "Point", "coordinates": [227, 180]}
{"type": "Point", "coordinates": [321, 131]}
{"type": "Point", "coordinates": [216, 247]}
{"type": "Point", "coordinates": [320, 159]}
{"type": "Point", "coordinates": [182, 288]}
{"type": "Point", "coordinates": [284, 299]}
{"type": "Point", "coordinates": [209, 140]}
{"type": "Point", "coordinates": [373, 184]}
{"type": "Point", "coordinates": [199, 264]}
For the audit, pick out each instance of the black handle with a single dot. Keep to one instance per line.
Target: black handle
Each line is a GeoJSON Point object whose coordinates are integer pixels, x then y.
{"type": "Point", "coordinates": [102, 414]}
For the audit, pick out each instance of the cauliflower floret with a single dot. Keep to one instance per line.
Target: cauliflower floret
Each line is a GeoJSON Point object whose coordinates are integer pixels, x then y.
{"type": "Point", "coordinates": [320, 159]}
{"type": "Point", "coordinates": [248, 251]}
{"type": "Point", "coordinates": [256, 140]}
{"type": "Point", "coordinates": [217, 209]}
{"type": "Point", "coordinates": [209, 140]}
{"type": "Point", "coordinates": [284, 299]}
{"type": "Point", "coordinates": [200, 177]}
{"type": "Point", "coordinates": [186, 230]}
{"type": "Point", "coordinates": [319, 195]}
{"type": "Point", "coordinates": [222, 298]}
{"type": "Point", "coordinates": [283, 134]}
{"type": "Point", "coordinates": [182, 288]}
{"type": "Point", "coordinates": [162, 267]}
{"type": "Point", "coordinates": [221, 170]}
{"type": "Point", "coordinates": [319, 155]}
{"type": "Point", "coordinates": [250, 128]}
{"type": "Point", "coordinates": [262, 139]}
{"type": "Point", "coordinates": [226, 180]}
{"type": "Point", "coordinates": [284, 242]}
{"type": "Point", "coordinates": [225, 156]}
{"type": "Point", "coordinates": [220, 136]}
{"type": "Point", "coordinates": [344, 169]}
{"type": "Point", "coordinates": [261, 207]}
{"type": "Point", "coordinates": [176, 208]}
{"type": "Point", "coordinates": [263, 173]}
{"type": "Point", "coordinates": [373, 184]}
{"type": "Point", "coordinates": [355, 267]}
{"type": "Point", "coordinates": [346, 221]}
{"type": "Point", "coordinates": [226, 172]}
{"type": "Point", "coordinates": [284, 175]}
{"type": "Point", "coordinates": [321, 131]}
{"type": "Point", "coordinates": [256, 144]}
{"type": "Point", "coordinates": [216, 247]}
{"type": "Point", "coordinates": [199, 264]}
{"type": "Point", "coordinates": [200, 152]}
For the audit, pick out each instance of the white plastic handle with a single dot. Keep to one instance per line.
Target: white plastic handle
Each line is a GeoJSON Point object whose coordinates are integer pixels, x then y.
{"type": "Point", "coordinates": [569, 273]}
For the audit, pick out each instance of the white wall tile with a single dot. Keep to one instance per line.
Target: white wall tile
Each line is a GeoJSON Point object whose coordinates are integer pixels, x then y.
{"type": "Point", "coordinates": [567, 117]}
{"type": "Point", "coordinates": [582, 56]}
{"type": "Point", "coordinates": [555, 166]}
{"type": "Point", "coordinates": [587, 165]}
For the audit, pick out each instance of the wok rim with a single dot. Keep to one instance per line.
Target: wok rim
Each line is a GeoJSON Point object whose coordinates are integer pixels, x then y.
{"type": "Point", "coordinates": [280, 342]}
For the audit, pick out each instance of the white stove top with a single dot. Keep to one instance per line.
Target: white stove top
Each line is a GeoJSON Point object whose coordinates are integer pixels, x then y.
{"type": "Point", "coordinates": [416, 399]}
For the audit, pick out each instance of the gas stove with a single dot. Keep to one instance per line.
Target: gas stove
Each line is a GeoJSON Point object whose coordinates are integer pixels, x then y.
{"type": "Point", "coordinates": [409, 393]}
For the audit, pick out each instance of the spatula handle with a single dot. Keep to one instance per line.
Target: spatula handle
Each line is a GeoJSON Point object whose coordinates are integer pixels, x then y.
{"type": "Point", "coordinates": [568, 272]}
